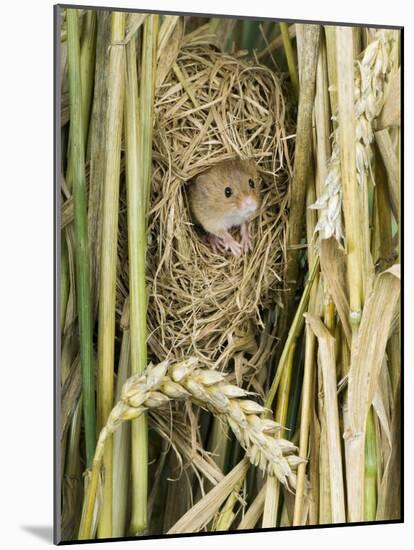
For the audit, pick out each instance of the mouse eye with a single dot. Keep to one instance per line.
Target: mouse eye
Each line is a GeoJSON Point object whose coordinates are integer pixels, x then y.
{"type": "Point", "coordinates": [251, 183]}
{"type": "Point", "coordinates": [228, 192]}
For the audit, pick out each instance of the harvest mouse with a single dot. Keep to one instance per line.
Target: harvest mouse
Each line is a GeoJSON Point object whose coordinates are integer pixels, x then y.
{"type": "Point", "coordinates": [225, 196]}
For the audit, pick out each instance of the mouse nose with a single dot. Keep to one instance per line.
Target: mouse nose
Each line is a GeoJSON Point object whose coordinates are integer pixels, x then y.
{"type": "Point", "coordinates": [249, 204]}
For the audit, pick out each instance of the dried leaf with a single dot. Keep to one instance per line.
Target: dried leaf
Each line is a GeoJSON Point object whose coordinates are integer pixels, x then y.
{"type": "Point", "coordinates": [202, 512]}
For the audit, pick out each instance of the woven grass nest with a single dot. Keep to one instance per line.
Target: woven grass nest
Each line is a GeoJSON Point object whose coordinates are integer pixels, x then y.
{"type": "Point", "coordinates": [200, 302]}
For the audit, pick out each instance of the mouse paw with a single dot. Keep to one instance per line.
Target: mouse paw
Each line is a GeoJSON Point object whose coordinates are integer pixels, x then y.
{"type": "Point", "coordinates": [245, 241]}
{"type": "Point", "coordinates": [232, 245]}
{"type": "Point", "coordinates": [216, 243]}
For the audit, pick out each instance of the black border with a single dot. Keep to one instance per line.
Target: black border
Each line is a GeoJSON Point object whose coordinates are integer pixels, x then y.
{"type": "Point", "coordinates": [232, 532]}
{"type": "Point", "coordinates": [56, 286]}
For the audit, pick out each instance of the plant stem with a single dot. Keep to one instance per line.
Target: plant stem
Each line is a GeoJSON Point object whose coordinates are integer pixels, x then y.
{"type": "Point", "coordinates": [249, 34]}
{"type": "Point", "coordinates": [254, 512]}
{"type": "Point", "coordinates": [290, 58]}
{"type": "Point", "coordinates": [371, 466]}
{"type": "Point", "coordinates": [391, 164]}
{"type": "Point", "coordinates": [271, 505]}
{"type": "Point", "coordinates": [276, 42]}
{"type": "Point", "coordinates": [326, 358]}
{"type": "Point", "coordinates": [330, 38]}
{"type": "Point", "coordinates": [97, 151]}
{"type": "Point", "coordinates": [89, 501]}
{"type": "Point", "coordinates": [87, 64]}
{"type": "Point", "coordinates": [294, 332]}
{"type": "Point", "coordinates": [213, 24]}
{"type": "Point", "coordinates": [106, 330]}
{"type": "Point", "coordinates": [351, 199]}
{"type": "Point", "coordinates": [303, 160]}
{"type": "Point", "coordinates": [304, 423]}
{"type": "Point", "coordinates": [227, 514]}
{"type": "Point", "coordinates": [81, 236]}
{"type": "Point", "coordinates": [139, 165]}
{"type": "Point", "coordinates": [121, 441]}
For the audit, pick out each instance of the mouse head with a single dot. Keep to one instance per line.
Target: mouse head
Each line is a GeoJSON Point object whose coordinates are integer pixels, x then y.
{"type": "Point", "coordinates": [233, 187]}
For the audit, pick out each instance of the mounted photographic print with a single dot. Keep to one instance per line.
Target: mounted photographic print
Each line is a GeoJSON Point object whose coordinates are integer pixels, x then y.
{"type": "Point", "coordinates": [228, 204]}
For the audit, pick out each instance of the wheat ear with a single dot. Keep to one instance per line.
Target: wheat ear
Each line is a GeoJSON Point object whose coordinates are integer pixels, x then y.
{"type": "Point", "coordinates": [210, 390]}
{"type": "Point", "coordinates": [371, 76]}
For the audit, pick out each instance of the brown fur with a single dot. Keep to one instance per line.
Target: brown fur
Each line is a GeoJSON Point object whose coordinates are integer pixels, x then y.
{"type": "Point", "coordinates": [209, 205]}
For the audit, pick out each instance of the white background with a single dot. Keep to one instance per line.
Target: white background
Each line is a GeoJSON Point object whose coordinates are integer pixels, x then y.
{"type": "Point", "coordinates": [26, 270]}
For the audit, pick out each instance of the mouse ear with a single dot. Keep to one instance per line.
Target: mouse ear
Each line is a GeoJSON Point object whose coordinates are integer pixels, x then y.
{"type": "Point", "coordinates": [249, 165]}
{"type": "Point", "coordinates": [202, 183]}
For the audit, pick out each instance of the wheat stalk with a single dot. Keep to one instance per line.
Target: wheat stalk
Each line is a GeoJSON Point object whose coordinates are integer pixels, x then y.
{"type": "Point", "coordinates": [371, 76]}
{"type": "Point", "coordinates": [158, 385]}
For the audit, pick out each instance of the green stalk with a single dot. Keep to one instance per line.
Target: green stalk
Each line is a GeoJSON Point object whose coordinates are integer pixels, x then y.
{"type": "Point", "coordinates": [136, 200]}
{"type": "Point", "coordinates": [290, 58]}
{"type": "Point", "coordinates": [276, 42]}
{"type": "Point", "coordinates": [97, 151]}
{"type": "Point", "coordinates": [85, 528]}
{"type": "Point", "coordinates": [330, 38]}
{"type": "Point", "coordinates": [371, 467]}
{"type": "Point", "coordinates": [88, 52]}
{"type": "Point", "coordinates": [146, 104]}
{"type": "Point", "coordinates": [294, 332]}
{"type": "Point", "coordinates": [106, 324]}
{"type": "Point", "coordinates": [227, 514]}
{"type": "Point", "coordinates": [139, 164]}
{"type": "Point", "coordinates": [306, 412]}
{"type": "Point", "coordinates": [81, 236]}
{"type": "Point", "coordinates": [122, 441]}
{"type": "Point", "coordinates": [249, 35]}
{"type": "Point", "coordinates": [213, 24]}
{"type": "Point", "coordinates": [272, 499]}
{"type": "Point", "coordinates": [284, 392]}
{"type": "Point", "coordinates": [87, 64]}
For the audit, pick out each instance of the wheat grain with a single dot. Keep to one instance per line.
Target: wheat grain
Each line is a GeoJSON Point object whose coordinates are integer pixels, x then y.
{"type": "Point", "coordinates": [372, 74]}
{"type": "Point", "coordinates": [208, 388]}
